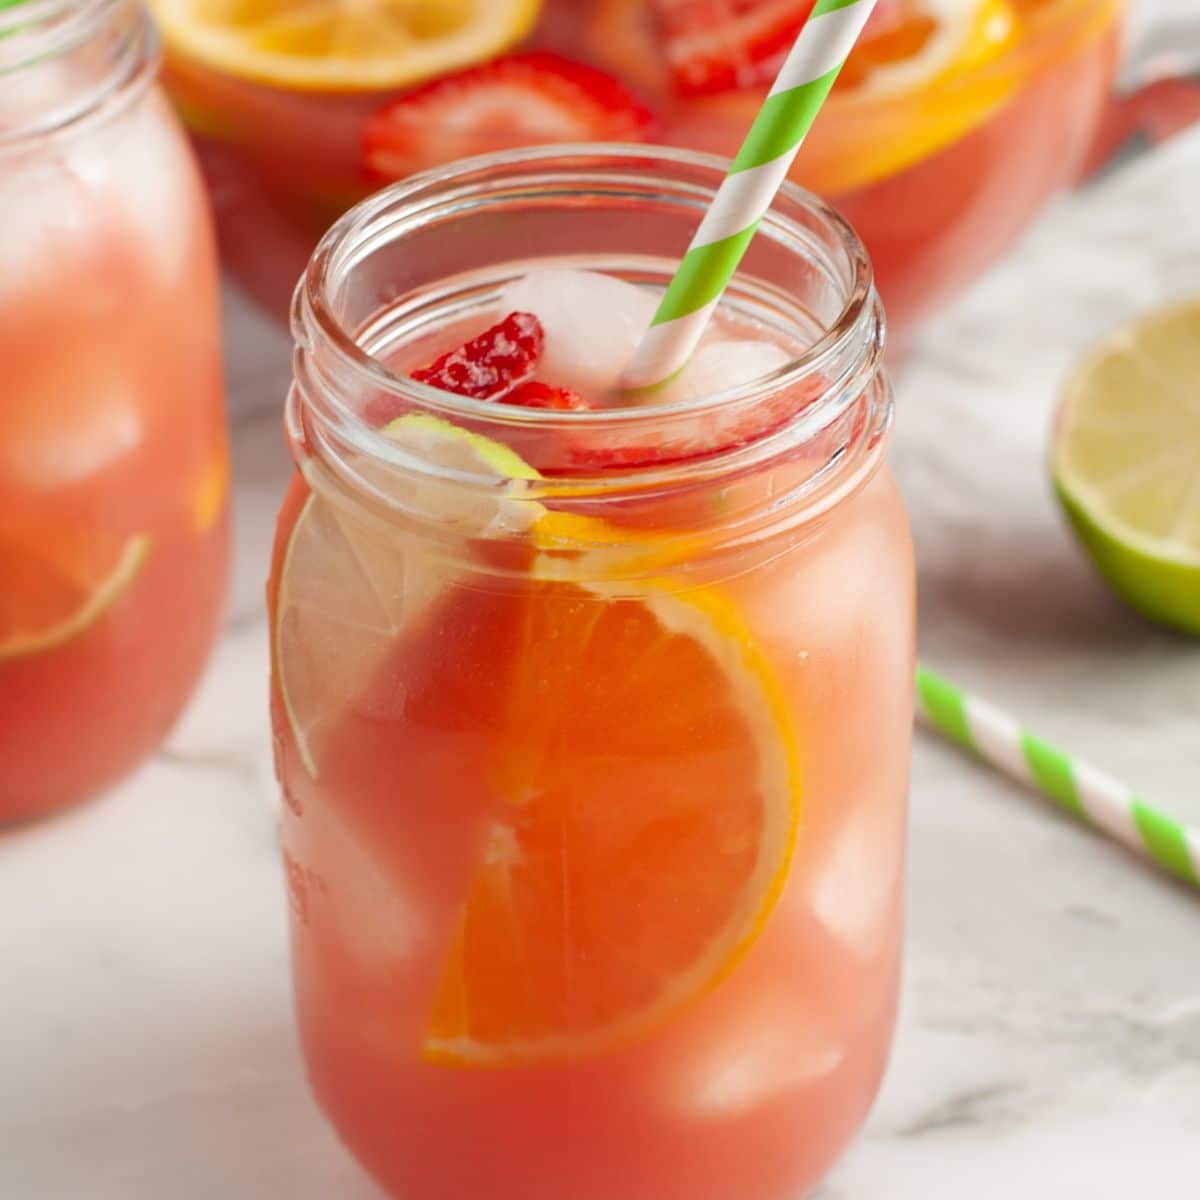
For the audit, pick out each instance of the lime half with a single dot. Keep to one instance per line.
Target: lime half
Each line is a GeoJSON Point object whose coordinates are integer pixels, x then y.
{"type": "Point", "coordinates": [1126, 462]}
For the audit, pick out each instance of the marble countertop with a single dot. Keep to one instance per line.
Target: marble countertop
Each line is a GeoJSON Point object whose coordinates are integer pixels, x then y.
{"type": "Point", "coordinates": [1049, 1045]}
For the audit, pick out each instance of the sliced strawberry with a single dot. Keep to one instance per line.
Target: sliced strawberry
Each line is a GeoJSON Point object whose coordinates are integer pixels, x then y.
{"type": "Point", "coordinates": [491, 364]}
{"type": "Point", "coordinates": [726, 45]}
{"type": "Point", "coordinates": [888, 15]}
{"type": "Point", "coordinates": [516, 101]}
{"type": "Point", "coordinates": [535, 394]}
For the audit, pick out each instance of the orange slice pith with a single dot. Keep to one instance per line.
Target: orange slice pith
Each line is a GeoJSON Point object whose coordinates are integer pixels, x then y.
{"type": "Point", "coordinates": [647, 792]}
{"type": "Point", "coordinates": [57, 582]}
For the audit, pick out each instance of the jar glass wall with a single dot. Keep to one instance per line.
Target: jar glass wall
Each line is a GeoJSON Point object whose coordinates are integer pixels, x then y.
{"type": "Point", "coordinates": [595, 759]}
{"type": "Point", "coordinates": [113, 451]}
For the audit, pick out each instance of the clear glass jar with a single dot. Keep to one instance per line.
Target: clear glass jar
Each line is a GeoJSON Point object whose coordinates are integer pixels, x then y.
{"type": "Point", "coordinates": [113, 452]}
{"type": "Point", "coordinates": [595, 775]}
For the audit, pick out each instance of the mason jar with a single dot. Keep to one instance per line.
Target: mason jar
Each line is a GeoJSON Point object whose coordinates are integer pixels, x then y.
{"type": "Point", "coordinates": [593, 727]}
{"type": "Point", "coordinates": [114, 539]}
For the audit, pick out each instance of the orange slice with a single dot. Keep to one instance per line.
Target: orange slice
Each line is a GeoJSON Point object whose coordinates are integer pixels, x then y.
{"type": "Point", "coordinates": [627, 764]}
{"type": "Point", "coordinates": [647, 790]}
{"type": "Point", "coordinates": [57, 583]}
{"type": "Point", "coordinates": [936, 40]}
{"type": "Point", "coordinates": [341, 45]}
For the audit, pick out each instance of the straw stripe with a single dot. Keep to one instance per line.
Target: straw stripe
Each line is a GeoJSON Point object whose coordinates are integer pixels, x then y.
{"type": "Point", "coordinates": [1078, 787]}
{"type": "Point", "coordinates": [751, 190]}
{"type": "Point", "coordinates": [827, 55]}
{"type": "Point", "coordinates": [746, 193]}
{"type": "Point", "coordinates": [701, 276]}
{"type": "Point", "coordinates": [1052, 774]}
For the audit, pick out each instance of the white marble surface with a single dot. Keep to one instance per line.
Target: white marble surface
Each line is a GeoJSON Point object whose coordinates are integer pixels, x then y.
{"type": "Point", "coordinates": [1050, 1040]}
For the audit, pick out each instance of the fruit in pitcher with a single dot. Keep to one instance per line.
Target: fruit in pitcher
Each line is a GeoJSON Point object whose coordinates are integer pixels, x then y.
{"type": "Point", "coordinates": [515, 101]}
{"type": "Point", "coordinates": [341, 45]}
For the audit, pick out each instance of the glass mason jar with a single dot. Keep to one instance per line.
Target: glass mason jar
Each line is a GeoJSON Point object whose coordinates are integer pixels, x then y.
{"type": "Point", "coordinates": [113, 457]}
{"type": "Point", "coordinates": [594, 759]}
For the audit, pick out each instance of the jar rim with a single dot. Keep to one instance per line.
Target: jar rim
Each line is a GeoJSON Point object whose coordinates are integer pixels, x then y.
{"type": "Point", "coordinates": [35, 32]}
{"type": "Point", "coordinates": [845, 355]}
{"type": "Point", "coordinates": [313, 291]}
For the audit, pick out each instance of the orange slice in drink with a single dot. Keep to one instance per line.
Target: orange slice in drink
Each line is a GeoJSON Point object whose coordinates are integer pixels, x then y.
{"type": "Point", "coordinates": [341, 45]}
{"type": "Point", "coordinates": [637, 771]}
{"type": "Point", "coordinates": [646, 786]}
{"type": "Point", "coordinates": [58, 582]}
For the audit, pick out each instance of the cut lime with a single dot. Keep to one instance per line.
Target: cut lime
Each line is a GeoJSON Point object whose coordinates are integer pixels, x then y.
{"type": "Point", "coordinates": [1126, 462]}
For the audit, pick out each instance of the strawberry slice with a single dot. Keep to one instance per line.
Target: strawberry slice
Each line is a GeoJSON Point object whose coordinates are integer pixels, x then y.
{"type": "Point", "coordinates": [491, 364]}
{"type": "Point", "coordinates": [888, 15]}
{"type": "Point", "coordinates": [515, 101]}
{"type": "Point", "coordinates": [727, 45]}
{"type": "Point", "coordinates": [536, 394]}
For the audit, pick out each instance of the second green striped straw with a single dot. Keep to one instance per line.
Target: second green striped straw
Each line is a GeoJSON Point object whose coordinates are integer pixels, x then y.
{"type": "Point", "coordinates": [746, 193]}
{"type": "Point", "coordinates": [1083, 790]}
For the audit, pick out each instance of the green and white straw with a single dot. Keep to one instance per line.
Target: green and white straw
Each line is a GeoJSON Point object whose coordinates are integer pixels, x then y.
{"type": "Point", "coordinates": [1081, 789]}
{"type": "Point", "coordinates": [747, 191]}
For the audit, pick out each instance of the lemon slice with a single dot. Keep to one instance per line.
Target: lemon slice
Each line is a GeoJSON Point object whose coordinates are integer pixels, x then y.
{"type": "Point", "coordinates": [1126, 462]}
{"type": "Point", "coordinates": [57, 583]}
{"type": "Point", "coordinates": [342, 45]}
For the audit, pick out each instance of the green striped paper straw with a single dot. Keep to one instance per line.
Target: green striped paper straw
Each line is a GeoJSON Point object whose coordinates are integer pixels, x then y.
{"type": "Point", "coordinates": [1084, 791]}
{"type": "Point", "coordinates": [746, 193]}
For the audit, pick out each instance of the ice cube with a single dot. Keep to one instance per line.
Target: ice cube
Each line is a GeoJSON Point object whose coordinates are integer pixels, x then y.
{"type": "Point", "coordinates": [45, 220]}
{"type": "Point", "coordinates": [78, 414]}
{"type": "Point", "coordinates": [773, 1044]}
{"type": "Point", "coordinates": [721, 365]}
{"type": "Point", "coordinates": [140, 166]}
{"type": "Point", "coordinates": [593, 323]}
{"type": "Point", "coordinates": [856, 893]}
